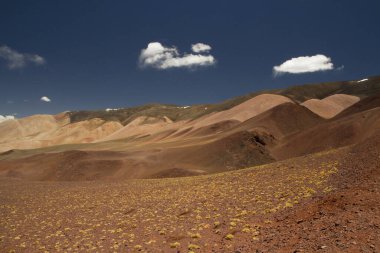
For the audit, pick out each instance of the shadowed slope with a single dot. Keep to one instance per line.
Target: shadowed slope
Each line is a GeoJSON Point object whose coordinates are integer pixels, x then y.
{"type": "Point", "coordinates": [301, 93]}
{"type": "Point", "coordinates": [282, 120]}
{"type": "Point", "coordinates": [65, 166]}
{"type": "Point", "coordinates": [257, 131]}
{"type": "Point", "coordinates": [227, 153]}
{"type": "Point", "coordinates": [281, 132]}
{"type": "Point", "coordinates": [207, 124]}
{"type": "Point", "coordinates": [363, 105]}
{"type": "Point", "coordinates": [331, 134]}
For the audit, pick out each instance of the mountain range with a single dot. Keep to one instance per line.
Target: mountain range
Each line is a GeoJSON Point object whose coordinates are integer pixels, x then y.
{"type": "Point", "coordinates": [157, 140]}
{"type": "Point", "coordinates": [289, 170]}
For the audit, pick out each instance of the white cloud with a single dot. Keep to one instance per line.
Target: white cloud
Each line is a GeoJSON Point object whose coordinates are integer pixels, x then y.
{"type": "Point", "coordinates": [6, 117]}
{"type": "Point", "coordinates": [305, 64]}
{"type": "Point", "coordinates": [45, 99]}
{"type": "Point", "coordinates": [160, 57]}
{"type": "Point", "coordinates": [200, 47]}
{"type": "Point", "coordinates": [16, 60]}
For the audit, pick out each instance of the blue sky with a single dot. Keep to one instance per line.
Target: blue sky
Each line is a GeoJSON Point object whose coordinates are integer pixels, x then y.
{"type": "Point", "coordinates": [90, 51]}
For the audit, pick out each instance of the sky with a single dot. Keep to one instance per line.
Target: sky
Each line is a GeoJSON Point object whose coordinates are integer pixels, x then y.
{"type": "Point", "coordinates": [80, 55]}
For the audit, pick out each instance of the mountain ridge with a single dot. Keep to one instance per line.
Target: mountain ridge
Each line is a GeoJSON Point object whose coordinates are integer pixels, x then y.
{"type": "Point", "coordinates": [167, 140]}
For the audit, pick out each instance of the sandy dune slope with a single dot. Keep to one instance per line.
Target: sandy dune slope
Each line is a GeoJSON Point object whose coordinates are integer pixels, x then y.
{"type": "Point", "coordinates": [331, 105]}
{"type": "Point", "coordinates": [140, 126]}
{"type": "Point", "coordinates": [245, 110]}
{"type": "Point", "coordinates": [154, 147]}
{"type": "Point", "coordinates": [281, 120]}
{"type": "Point", "coordinates": [47, 130]}
{"type": "Point", "coordinates": [30, 127]}
{"type": "Point", "coordinates": [257, 131]}
{"type": "Point", "coordinates": [83, 132]}
{"type": "Point", "coordinates": [231, 152]}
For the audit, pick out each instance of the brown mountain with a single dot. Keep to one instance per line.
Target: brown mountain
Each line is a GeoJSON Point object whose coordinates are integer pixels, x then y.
{"type": "Point", "coordinates": [266, 172]}
{"type": "Point", "coordinates": [159, 140]}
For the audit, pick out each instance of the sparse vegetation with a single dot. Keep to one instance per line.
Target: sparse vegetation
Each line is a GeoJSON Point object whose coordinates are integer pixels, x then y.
{"type": "Point", "coordinates": [175, 245]}
{"type": "Point", "coordinates": [229, 237]}
{"type": "Point", "coordinates": [147, 214]}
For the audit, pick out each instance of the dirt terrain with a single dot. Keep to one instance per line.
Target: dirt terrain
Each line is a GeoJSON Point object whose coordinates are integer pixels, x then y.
{"type": "Point", "coordinates": [258, 173]}
{"type": "Point", "coordinates": [331, 105]}
{"type": "Point", "coordinates": [326, 202]}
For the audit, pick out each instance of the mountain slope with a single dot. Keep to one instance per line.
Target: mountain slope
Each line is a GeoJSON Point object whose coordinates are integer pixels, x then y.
{"type": "Point", "coordinates": [331, 105]}
{"type": "Point", "coordinates": [321, 202]}
{"type": "Point", "coordinates": [282, 120]}
{"type": "Point", "coordinates": [298, 93]}
{"type": "Point", "coordinates": [144, 142]}
{"type": "Point", "coordinates": [363, 105]}
{"type": "Point", "coordinates": [330, 134]}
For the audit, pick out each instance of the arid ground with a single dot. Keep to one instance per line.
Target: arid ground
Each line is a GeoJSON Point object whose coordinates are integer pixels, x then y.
{"type": "Point", "coordinates": [293, 170]}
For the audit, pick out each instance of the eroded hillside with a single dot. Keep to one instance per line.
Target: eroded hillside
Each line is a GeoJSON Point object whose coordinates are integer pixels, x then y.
{"type": "Point", "coordinates": [263, 173]}
{"type": "Point", "coordinates": [260, 208]}
{"type": "Point", "coordinates": [157, 141]}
